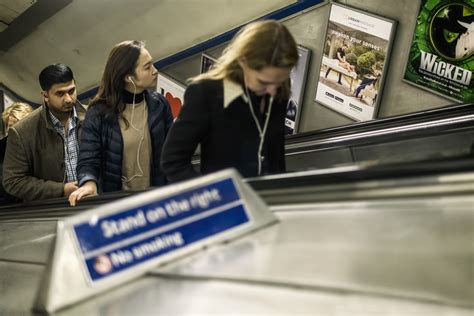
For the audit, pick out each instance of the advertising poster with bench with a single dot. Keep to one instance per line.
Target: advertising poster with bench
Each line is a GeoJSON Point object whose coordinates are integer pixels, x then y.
{"type": "Point", "coordinates": [354, 62]}
{"type": "Point", "coordinates": [441, 57]}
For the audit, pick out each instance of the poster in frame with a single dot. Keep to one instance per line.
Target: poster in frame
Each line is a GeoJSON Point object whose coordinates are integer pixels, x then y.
{"type": "Point", "coordinates": [441, 57]}
{"type": "Point", "coordinates": [354, 62]}
{"type": "Point", "coordinates": [207, 62]}
{"type": "Point", "coordinates": [2, 101]}
{"type": "Point", "coordinates": [298, 81]}
{"type": "Point", "coordinates": [173, 91]}
{"type": "Point", "coordinates": [6, 100]}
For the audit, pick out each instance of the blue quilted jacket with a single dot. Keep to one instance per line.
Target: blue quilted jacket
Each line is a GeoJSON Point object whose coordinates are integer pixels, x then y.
{"type": "Point", "coordinates": [101, 149]}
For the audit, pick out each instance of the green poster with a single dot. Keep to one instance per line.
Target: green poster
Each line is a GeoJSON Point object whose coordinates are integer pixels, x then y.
{"type": "Point", "coordinates": [441, 55]}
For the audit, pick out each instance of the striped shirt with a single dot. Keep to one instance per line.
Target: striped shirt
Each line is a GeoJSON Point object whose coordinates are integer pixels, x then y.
{"type": "Point", "coordinates": [71, 145]}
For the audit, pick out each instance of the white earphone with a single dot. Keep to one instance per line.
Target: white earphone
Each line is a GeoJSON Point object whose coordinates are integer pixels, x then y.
{"type": "Point", "coordinates": [261, 131]}
{"type": "Point", "coordinates": [142, 131]}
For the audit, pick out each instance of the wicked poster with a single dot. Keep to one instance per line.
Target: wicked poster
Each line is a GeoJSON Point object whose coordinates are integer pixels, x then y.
{"type": "Point", "coordinates": [441, 55]}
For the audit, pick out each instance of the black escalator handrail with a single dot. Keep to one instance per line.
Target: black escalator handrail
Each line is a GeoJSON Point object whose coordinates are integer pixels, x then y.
{"type": "Point", "coordinates": [430, 128]}
{"type": "Point", "coordinates": [353, 173]}
{"type": "Point", "coordinates": [420, 123]}
{"type": "Point", "coordinates": [58, 207]}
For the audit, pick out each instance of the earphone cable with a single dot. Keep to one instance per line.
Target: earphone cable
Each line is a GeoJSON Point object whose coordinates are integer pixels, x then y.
{"type": "Point", "coordinates": [259, 128]}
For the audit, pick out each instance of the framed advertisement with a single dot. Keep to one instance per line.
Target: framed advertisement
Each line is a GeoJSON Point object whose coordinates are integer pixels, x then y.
{"type": "Point", "coordinates": [354, 62]}
{"type": "Point", "coordinates": [173, 91]}
{"type": "Point", "coordinates": [298, 81]}
{"type": "Point", "coordinates": [207, 62]}
{"type": "Point", "coordinates": [441, 58]}
{"type": "Point", "coordinates": [2, 101]}
{"type": "Point", "coordinates": [6, 101]}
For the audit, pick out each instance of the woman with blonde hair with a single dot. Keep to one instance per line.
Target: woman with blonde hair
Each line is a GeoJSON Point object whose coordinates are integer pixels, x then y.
{"type": "Point", "coordinates": [14, 113]}
{"type": "Point", "coordinates": [236, 110]}
{"type": "Point", "coordinates": [10, 116]}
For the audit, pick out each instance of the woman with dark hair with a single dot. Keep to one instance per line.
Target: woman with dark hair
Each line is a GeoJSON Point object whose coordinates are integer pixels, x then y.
{"type": "Point", "coordinates": [236, 111]}
{"type": "Point", "coordinates": [125, 126]}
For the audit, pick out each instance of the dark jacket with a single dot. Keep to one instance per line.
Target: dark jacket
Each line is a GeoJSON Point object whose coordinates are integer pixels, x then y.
{"type": "Point", "coordinates": [222, 123]}
{"type": "Point", "coordinates": [5, 198]}
{"type": "Point", "coordinates": [3, 147]}
{"type": "Point", "coordinates": [34, 168]}
{"type": "Point", "coordinates": [101, 152]}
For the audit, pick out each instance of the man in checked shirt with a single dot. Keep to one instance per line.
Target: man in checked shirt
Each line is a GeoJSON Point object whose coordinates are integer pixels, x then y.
{"type": "Point", "coordinates": [42, 149]}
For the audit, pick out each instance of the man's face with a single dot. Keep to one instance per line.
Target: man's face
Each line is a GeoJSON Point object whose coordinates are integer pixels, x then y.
{"type": "Point", "coordinates": [61, 97]}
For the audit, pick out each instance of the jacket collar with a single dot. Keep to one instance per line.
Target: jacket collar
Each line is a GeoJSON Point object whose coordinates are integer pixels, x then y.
{"type": "Point", "coordinates": [232, 91]}
{"type": "Point", "coordinates": [80, 112]}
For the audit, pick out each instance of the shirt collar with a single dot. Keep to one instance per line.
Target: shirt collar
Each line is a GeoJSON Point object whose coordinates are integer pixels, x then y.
{"type": "Point", "coordinates": [232, 91]}
{"type": "Point", "coordinates": [57, 122]}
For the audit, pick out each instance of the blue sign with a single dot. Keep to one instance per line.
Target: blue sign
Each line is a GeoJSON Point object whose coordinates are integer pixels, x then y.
{"type": "Point", "coordinates": [132, 236]}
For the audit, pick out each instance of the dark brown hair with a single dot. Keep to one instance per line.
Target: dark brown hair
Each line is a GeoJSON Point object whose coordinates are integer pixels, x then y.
{"type": "Point", "coordinates": [54, 74]}
{"type": "Point", "coordinates": [121, 62]}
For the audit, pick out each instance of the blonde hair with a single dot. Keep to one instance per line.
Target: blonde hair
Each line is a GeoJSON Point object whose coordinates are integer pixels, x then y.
{"type": "Point", "coordinates": [259, 44]}
{"type": "Point", "coordinates": [17, 110]}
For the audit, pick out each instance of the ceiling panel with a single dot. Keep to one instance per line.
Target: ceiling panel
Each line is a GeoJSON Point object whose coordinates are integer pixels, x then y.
{"type": "Point", "coordinates": [11, 9]}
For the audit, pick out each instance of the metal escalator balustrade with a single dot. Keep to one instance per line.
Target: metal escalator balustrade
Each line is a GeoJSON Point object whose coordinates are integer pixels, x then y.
{"type": "Point", "coordinates": [436, 134]}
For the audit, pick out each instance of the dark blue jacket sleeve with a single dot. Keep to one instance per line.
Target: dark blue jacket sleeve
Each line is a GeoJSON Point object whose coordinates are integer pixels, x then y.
{"type": "Point", "coordinates": [90, 153]}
